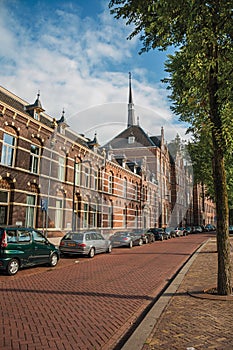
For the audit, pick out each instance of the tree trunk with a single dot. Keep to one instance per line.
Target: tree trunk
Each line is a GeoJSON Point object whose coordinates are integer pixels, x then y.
{"type": "Point", "coordinates": [224, 284]}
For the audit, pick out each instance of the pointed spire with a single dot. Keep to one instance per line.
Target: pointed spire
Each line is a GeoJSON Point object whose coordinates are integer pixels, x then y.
{"type": "Point", "coordinates": [36, 106]}
{"type": "Point", "coordinates": [131, 114]}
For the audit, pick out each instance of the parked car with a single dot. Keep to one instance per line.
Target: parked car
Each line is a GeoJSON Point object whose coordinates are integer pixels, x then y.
{"type": "Point", "coordinates": [158, 233]}
{"type": "Point", "coordinates": [147, 237]}
{"type": "Point", "coordinates": [197, 229]}
{"type": "Point", "coordinates": [209, 227]}
{"type": "Point", "coordinates": [22, 247]}
{"type": "Point", "coordinates": [170, 232]}
{"type": "Point", "coordinates": [182, 231]}
{"type": "Point", "coordinates": [126, 238]}
{"type": "Point", "coordinates": [86, 243]}
{"type": "Point", "coordinates": [188, 229]}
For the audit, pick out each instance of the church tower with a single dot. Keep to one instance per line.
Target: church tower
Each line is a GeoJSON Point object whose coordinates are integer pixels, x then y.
{"type": "Point", "coordinates": [131, 111]}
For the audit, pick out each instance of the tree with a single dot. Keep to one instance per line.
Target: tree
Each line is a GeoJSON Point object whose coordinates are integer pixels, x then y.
{"type": "Point", "coordinates": [200, 81]}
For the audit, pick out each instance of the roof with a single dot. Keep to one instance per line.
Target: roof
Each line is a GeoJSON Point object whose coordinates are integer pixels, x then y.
{"type": "Point", "coordinates": [141, 139]}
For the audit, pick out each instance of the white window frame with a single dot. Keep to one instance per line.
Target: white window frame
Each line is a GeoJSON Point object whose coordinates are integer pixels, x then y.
{"type": "Point", "coordinates": [8, 150]}
{"type": "Point", "coordinates": [35, 159]}
{"type": "Point", "coordinates": [110, 183]}
{"type": "Point", "coordinates": [85, 214]}
{"type": "Point", "coordinates": [30, 210]}
{"type": "Point", "coordinates": [4, 208]}
{"type": "Point", "coordinates": [61, 168]}
{"type": "Point", "coordinates": [124, 187]}
{"type": "Point", "coordinates": [58, 214]}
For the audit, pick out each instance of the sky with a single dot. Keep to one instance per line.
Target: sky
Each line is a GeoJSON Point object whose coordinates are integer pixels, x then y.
{"type": "Point", "coordinates": [76, 54]}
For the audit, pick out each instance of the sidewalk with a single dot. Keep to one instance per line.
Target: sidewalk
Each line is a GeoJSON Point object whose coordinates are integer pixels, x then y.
{"type": "Point", "coordinates": [185, 318]}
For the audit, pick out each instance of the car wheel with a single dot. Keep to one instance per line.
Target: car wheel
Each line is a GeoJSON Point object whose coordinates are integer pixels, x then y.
{"type": "Point", "coordinates": [131, 244]}
{"type": "Point", "coordinates": [91, 253]}
{"type": "Point", "coordinates": [140, 242]}
{"type": "Point", "coordinates": [109, 249]}
{"type": "Point", "coordinates": [12, 267]}
{"type": "Point", "coordinates": [53, 260]}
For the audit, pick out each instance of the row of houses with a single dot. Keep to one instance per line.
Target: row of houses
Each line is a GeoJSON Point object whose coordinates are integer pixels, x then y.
{"type": "Point", "coordinates": [55, 179]}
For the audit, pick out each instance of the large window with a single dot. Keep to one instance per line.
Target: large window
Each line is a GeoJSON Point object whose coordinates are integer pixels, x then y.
{"type": "Point", "coordinates": [124, 187]}
{"type": "Point", "coordinates": [85, 215]}
{"type": "Point", "coordinates": [110, 215]}
{"type": "Point", "coordinates": [58, 214]}
{"type": "Point", "coordinates": [34, 159]}
{"type": "Point", "coordinates": [95, 183]}
{"type": "Point", "coordinates": [4, 200]}
{"type": "Point", "coordinates": [77, 169]}
{"type": "Point", "coordinates": [8, 149]}
{"type": "Point", "coordinates": [93, 215]}
{"type": "Point", "coordinates": [61, 169]}
{"type": "Point", "coordinates": [110, 183]}
{"type": "Point", "coordinates": [30, 211]}
{"type": "Point", "coordinates": [86, 174]}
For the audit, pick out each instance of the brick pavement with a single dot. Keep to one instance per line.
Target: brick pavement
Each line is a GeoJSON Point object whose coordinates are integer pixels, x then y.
{"type": "Point", "coordinates": [193, 323]}
{"type": "Point", "coordinates": [88, 304]}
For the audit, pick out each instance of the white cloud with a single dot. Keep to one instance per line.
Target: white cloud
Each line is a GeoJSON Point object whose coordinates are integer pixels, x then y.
{"type": "Point", "coordinates": [80, 65]}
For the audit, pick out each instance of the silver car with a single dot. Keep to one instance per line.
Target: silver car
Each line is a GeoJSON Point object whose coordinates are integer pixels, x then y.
{"type": "Point", "coordinates": [85, 243]}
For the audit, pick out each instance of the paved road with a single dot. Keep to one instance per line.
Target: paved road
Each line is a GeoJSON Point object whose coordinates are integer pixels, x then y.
{"type": "Point", "coordinates": [88, 304]}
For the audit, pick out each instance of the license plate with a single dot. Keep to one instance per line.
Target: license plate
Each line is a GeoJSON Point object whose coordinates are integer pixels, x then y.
{"type": "Point", "coordinates": [71, 244]}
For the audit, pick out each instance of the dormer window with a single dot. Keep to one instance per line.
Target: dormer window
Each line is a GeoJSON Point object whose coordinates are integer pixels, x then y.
{"type": "Point", "coordinates": [35, 109]}
{"type": "Point", "coordinates": [131, 139]}
{"type": "Point", "coordinates": [36, 115]}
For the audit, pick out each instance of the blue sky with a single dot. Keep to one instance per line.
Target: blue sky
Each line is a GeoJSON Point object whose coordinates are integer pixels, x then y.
{"type": "Point", "coordinates": [77, 55]}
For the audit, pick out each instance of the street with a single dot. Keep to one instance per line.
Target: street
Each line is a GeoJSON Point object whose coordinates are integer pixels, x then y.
{"type": "Point", "coordinates": [88, 303]}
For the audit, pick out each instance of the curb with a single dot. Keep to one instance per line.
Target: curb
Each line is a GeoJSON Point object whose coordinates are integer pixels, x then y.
{"type": "Point", "coordinates": [143, 331]}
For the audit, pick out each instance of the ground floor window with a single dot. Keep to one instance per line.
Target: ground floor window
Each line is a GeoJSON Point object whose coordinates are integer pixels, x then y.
{"type": "Point", "coordinates": [4, 200]}
{"type": "Point", "coordinates": [58, 214]}
{"type": "Point", "coordinates": [30, 211]}
{"type": "Point", "coordinates": [85, 215]}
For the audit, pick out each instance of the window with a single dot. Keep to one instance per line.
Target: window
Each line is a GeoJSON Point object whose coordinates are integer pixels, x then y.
{"type": "Point", "coordinates": [61, 169]}
{"type": "Point", "coordinates": [136, 192]}
{"type": "Point", "coordinates": [86, 177]}
{"type": "Point", "coordinates": [30, 210]}
{"type": "Point", "coordinates": [38, 237]}
{"type": "Point", "coordinates": [4, 200]}
{"type": "Point", "coordinates": [124, 187]}
{"type": "Point", "coordinates": [77, 170]}
{"type": "Point", "coordinates": [11, 236]}
{"type": "Point", "coordinates": [95, 184]}
{"type": "Point", "coordinates": [131, 139]}
{"type": "Point", "coordinates": [110, 216]}
{"type": "Point", "coordinates": [93, 215]}
{"type": "Point", "coordinates": [24, 236]}
{"type": "Point", "coordinates": [36, 115]}
{"type": "Point", "coordinates": [58, 213]}
{"type": "Point", "coordinates": [85, 215]}
{"type": "Point", "coordinates": [34, 159]}
{"type": "Point", "coordinates": [8, 148]}
{"type": "Point", "coordinates": [125, 217]}
{"type": "Point", "coordinates": [110, 183]}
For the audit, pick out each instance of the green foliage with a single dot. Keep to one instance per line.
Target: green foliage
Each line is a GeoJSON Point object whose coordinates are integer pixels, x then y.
{"type": "Point", "coordinates": [201, 85]}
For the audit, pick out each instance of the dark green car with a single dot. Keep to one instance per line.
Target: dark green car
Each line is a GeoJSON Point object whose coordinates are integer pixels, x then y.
{"type": "Point", "coordinates": [22, 247]}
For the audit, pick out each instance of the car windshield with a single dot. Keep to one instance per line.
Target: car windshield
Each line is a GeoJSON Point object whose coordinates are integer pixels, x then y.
{"type": "Point", "coordinates": [121, 234]}
{"type": "Point", "coordinates": [74, 236]}
{"type": "Point", "coordinates": [168, 229]}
